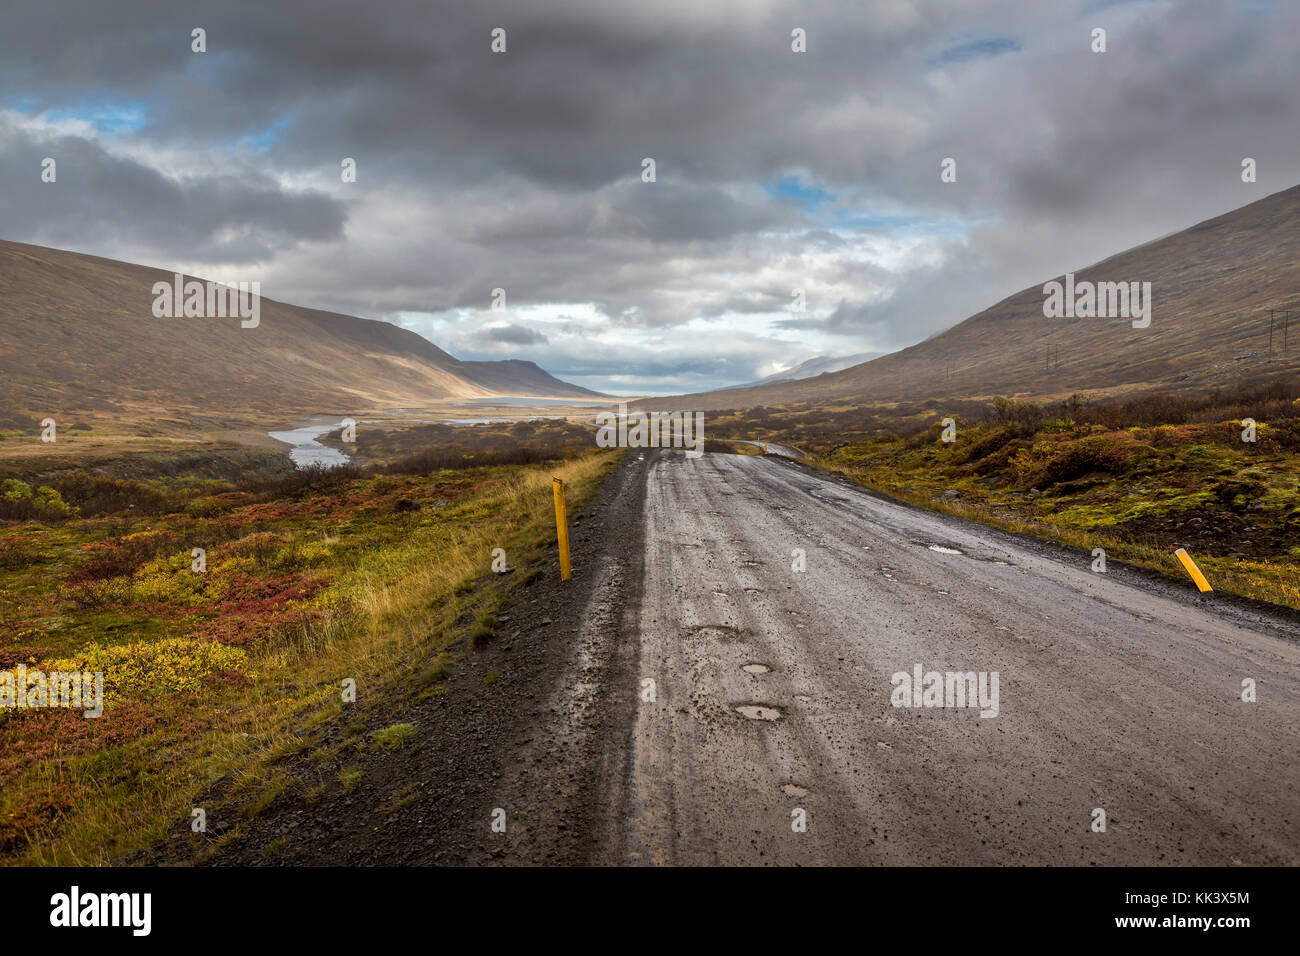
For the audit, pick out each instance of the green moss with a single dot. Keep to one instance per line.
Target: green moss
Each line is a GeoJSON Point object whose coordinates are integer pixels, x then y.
{"type": "Point", "coordinates": [349, 777]}
{"type": "Point", "coordinates": [393, 736]}
{"type": "Point", "coordinates": [1081, 483]}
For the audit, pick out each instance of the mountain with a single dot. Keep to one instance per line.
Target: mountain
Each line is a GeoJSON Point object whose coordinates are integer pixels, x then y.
{"type": "Point", "coordinates": [1212, 286]}
{"type": "Point", "coordinates": [818, 365]}
{"type": "Point", "coordinates": [78, 335]}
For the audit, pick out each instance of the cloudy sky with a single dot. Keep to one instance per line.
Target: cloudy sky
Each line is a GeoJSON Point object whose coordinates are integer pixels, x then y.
{"type": "Point", "coordinates": [775, 170]}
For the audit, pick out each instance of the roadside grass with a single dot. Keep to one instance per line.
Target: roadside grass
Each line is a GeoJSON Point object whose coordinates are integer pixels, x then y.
{"type": "Point", "coordinates": [349, 777]}
{"type": "Point", "coordinates": [393, 736]}
{"type": "Point", "coordinates": [303, 591]}
{"type": "Point", "coordinates": [1138, 493]}
{"type": "Point", "coordinates": [723, 446]}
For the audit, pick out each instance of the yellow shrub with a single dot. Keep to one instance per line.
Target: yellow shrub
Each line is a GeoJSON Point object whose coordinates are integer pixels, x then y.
{"type": "Point", "coordinates": [141, 670]}
{"type": "Point", "coordinates": [308, 554]}
{"type": "Point", "coordinates": [170, 580]}
{"type": "Point", "coordinates": [96, 594]}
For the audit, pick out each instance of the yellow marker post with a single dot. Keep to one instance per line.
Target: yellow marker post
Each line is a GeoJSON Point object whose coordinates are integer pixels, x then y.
{"type": "Point", "coordinates": [1193, 570]}
{"type": "Point", "coordinates": [764, 448]}
{"type": "Point", "coordinates": [561, 528]}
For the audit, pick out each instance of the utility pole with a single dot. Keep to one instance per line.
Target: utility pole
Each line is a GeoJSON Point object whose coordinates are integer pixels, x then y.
{"type": "Point", "coordinates": [1274, 317]}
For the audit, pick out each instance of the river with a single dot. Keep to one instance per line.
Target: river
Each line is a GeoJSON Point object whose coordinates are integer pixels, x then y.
{"type": "Point", "coordinates": [305, 450]}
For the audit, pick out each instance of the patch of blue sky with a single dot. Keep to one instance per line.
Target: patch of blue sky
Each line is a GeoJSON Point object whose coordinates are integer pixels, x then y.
{"type": "Point", "coordinates": [1096, 6]}
{"type": "Point", "coordinates": [823, 208]}
{"type": "Point", "coordinates": [795, 190]}
{"type": "Point", "coordinates": [850, 219]}
{"type": "Point", "coordinates": [978, 49]}
{"type": "Point", "coordinates": [20, 102]}
{"type": "Point", "coordinates": [266, 138]}
{"type": "Point", "coordinates": [108, 115]}
{"type": "Point", "coordinates": [864, 219]}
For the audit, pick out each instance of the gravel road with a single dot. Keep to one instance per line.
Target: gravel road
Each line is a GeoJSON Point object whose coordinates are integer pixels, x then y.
{"type": "Point", "coordinates": [771, 605]}
{"type": "Point", "coordinates": [773, 448]}
{"type": "Point", "coordinates": [1113, 693]}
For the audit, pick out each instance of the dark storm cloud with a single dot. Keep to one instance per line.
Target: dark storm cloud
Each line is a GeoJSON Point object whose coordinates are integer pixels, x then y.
{"type": "Point", "coordinates": [99, 197]}
{"type": "Point", "coordinates": [522, 170]}
{"type": "Point", "coordinates": [846, 319]}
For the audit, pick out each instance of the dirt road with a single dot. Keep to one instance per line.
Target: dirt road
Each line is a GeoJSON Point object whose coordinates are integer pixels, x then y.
{"type": "Point", "coordinates": [770, 606]}
{"type": "Point", "coordinates": [1114, 693]}
{"type": "Point", "coordinates": [772, 448]}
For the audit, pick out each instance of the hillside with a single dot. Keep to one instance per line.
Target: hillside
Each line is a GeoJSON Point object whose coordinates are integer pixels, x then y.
{"type": "Point", "coordinates": [817, 365]}
{"type": "Point", "coordinates": [1212, 286]}
{"type": "Point", "coordinates": [78, 337]}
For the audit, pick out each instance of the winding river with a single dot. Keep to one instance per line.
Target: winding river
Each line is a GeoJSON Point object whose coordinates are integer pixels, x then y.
{"type": "Point", "coordinates": [305, 450]}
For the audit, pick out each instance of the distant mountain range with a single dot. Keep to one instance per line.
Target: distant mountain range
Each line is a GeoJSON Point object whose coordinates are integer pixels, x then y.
{"type": "Point", "coordinates": [1212, 286]}
{"type": "Point", "coordinates": [818, 365]}
{"type": "Point", "coordinates": [78, 335]}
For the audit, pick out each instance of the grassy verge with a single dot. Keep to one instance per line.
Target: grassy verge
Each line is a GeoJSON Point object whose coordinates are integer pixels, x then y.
{"type": "Point", "coordinates": [1139, 493]}
{"type": "Point", "coordinates": [213, 676]}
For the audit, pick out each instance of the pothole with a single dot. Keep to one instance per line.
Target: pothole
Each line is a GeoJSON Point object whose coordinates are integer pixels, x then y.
{"type": "Point", "coordinates": [759, 711]}
{"type": "Point", "coordinates": [792, 791]}
{"type": "Point", "coordinates": [755, 668]}
{"type": "Point", "coordinates": [942, 550]}
{"type": "Point", "coordinates": [719, 632]}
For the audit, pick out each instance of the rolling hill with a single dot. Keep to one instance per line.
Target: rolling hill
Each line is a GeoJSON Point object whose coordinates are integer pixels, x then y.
{"type": "Point", "coordinates": [78, 337]}
{"type": "Point", "coordinates": [1212, 287]}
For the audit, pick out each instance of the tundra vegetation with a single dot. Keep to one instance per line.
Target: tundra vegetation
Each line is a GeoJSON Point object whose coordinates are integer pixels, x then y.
{"type": "Point", "coordinates": [215, 678]}
{"type": "Point", "coordinates": [1139, 476]}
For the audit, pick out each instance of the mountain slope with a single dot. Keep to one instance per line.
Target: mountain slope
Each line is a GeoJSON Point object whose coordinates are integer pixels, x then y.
{"type": "Point", "coordinates": [817, 365]}
{"type": "Point", "coordinates": [1212, 287]}
{"type": "Point", "coordinates": [78, 334]}
{"type": "Point", "coordinates": [517, 377]}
